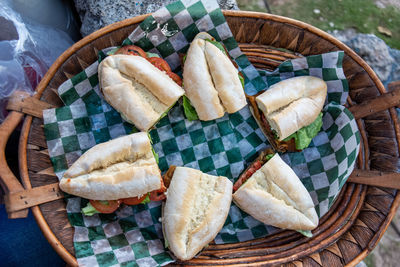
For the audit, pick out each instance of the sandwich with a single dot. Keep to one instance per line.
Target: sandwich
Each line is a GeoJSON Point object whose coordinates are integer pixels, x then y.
{"type": "Point", "coordinates": [271, 192]}
{"type": "Point", "coordinates": [123, 170]}
{"type": "Point", "coordinates": [195, 210]}
{"type": "Point", "coordinates": [211, 81]}
{"type": "Point", "coordinates": [141, 88]}
{"type": "Point", "coordinates": [289, 112]}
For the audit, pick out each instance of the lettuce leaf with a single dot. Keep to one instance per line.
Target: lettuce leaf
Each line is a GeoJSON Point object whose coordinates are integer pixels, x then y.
{"type": "Point", "coordinates": [157, 158]}
{"type": "Point", "coordinates": [218, 45]}
{"type": "Point", "coordinates": [89, 210]}
{"type": "Point", "coordinates": [149, 54]}
{"type": "Point", "coordinates": [241, 80]}
{"type": "Point", "coordinates": [269, 156]}
{"type": "Point", "coordinates": [306, 233]}
{"type": "Point", "coordinates": [152, 148]}
{"type": "Point", "coordinates": [147, 199]}
{"type": "Point", "coordinates": [189, 110]}
{"type": "Point", "coordinates": [304, 136]}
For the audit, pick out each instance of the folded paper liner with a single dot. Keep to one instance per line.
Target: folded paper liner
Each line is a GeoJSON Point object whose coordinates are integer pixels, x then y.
{"type": "Point", "coordinates": [220, 147]}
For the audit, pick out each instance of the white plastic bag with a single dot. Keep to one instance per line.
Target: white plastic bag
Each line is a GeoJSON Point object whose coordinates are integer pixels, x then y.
{"type": "Point", "coordinates": [25, 59]}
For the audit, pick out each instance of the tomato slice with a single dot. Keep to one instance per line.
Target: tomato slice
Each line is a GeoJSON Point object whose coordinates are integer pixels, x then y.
{"type": "Point", "coordinates": [132, 50]}
{"type": "Point", "coordinates": [246, 175]}
{"type": "Point", "coordinates": [175, 77]}
{"type": "Point", "coordinates": [157, 195]}
{"type": "Point", "coordinates": [108, 206]}
{"type": "Point", "coordinates": [257, 164]}
{"type": "Point", "coordinates": [133, 200]}
{"type": "Point", "coordinates": [160, 63]}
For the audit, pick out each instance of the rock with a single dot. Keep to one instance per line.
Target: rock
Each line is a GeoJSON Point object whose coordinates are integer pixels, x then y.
{"type": "Point", "coordinates": [386, 3]}
{"type": "Point", "coordinates": [375, 52]}
{"type": "Point", "coordinates": [96, 14]}
{"type": "Point", "coordinates": [344, 35]}
{"type": "Point", "coordinates": [395, 74]}
{"type": "Point", "coordinates": [386, 253]}
{"type": "Point", "coordinates": [372, 49]}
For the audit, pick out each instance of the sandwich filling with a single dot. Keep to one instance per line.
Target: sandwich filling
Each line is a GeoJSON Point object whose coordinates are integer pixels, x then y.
{"type": "Point", "coordinates": [121, 170]}
{"type": "Point", "coordinates": [274, 195]}
{"type": "Point", "coordinates": [262, 158]}
{"type": "Point", "coordinates": [291, 109]}
{"type": "Point", "coordinates": [189, 110]}
{"type": "Point", "coordinates": [211, 80]}
{"type": "Point", "coordinates": [129, 85]}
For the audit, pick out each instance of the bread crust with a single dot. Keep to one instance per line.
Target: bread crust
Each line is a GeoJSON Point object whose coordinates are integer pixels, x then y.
{"type": "Point", "coordinates": [121, 168]}
{"type": "Point", "coordinates": [198, 83]}
{"type": "Point", "coordinates": [195, 211]}
{"type": "Point", "coordinates": [275, 195]}
{"type": "Point", "coordinates": [292, 104]}
{"type": "Point", "coordinates": [137, 89]}
{"type": "Point", "coordinates": [211, 81]}
{"type": "Point", "coordinates": [225, 79]}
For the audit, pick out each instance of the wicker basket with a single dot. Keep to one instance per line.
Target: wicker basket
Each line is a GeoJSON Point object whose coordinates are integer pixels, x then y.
{"type": "Point", "coordinates": [349, 231]}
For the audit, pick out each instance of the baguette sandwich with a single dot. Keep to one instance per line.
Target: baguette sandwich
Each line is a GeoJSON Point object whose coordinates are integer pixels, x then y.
{"type": "Point", "coordinates": [196, 208]}
{"type": "Point", "coordinates": [271, 192]}
{"type": "Point", "coordinates": [141, 88]}
{"type": "Point", "coordinates": [121, 170]}
{"type": "Point", "coordinates": [289, 112]}
{"type": "Point", "coordinates": [211, 81]}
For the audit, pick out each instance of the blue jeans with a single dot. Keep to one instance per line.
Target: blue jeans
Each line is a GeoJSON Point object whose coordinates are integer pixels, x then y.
{"type": "Point", "coordinates": [23, 244]}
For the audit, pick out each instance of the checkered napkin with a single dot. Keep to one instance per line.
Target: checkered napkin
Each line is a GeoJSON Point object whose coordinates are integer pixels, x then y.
{"type": "Point", "coordinates": [132, 235]}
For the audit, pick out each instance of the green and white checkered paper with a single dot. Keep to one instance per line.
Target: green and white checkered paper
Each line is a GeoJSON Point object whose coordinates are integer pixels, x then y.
{"type": "Point", "coordinates": [132, 236]}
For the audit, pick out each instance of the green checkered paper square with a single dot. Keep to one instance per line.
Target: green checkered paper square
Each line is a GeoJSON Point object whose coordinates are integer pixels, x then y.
{"type": "Point", "coordinates": [133, 235]}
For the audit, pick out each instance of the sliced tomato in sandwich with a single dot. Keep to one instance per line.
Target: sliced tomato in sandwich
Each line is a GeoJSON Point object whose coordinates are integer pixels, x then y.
{"type": "Point", "coordinates": [133, 200]}
{"type": "Point", "coordinates": [247, 174]}
{"type": "Point", "coordinates": [105, 206]}
{"type": "Point", "coordinates": [157, 195]}
{"type": "Point", "coordinates": [160, 63]}
{"type": "Point", "coordinates": [132, 50]}
{"type": "Point", "coordinates": [175, 77]}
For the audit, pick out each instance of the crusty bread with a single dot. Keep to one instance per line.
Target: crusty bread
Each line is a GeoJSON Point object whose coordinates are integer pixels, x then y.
{"type": "Point", "coordinates": [198, 83]}
{"type": "Point", "coordinates": [137, 89]}
{"type": "Point", "coordinates": [121, 168]}
{"type": "Point", "coordinates": [195, 211]}
{"type": "Point", "coordinates": [211, 81]}
{"type": "Point", "coordinates": [275, 195]}
{"type": "Point", "coordinates": [292, 104]}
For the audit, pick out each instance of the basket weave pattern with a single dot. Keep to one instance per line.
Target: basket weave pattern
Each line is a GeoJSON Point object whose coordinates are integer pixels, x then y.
{"type": "Point", "coordinates": [353, 225]}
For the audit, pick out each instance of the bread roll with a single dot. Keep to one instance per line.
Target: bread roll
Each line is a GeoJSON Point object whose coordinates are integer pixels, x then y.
{"type": "Point", "coordinates": [198, 84]}
{"type": "Point", "coordinates": [137, 89]}
{"type": "Point", "coordinates": [275, 195]}
{"type": "Point", "coordinates": [292, 104]}
{"type": "Point", "coordinates": [195, 211]}
{"type": "Point", "coordinates": [121, 168]}
{"type": "Point", "coordinates": [211, 81]}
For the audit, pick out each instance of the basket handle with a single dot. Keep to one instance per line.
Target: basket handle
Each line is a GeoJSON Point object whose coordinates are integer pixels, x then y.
{"type": "Point", "coordinates": [380, 103]}
{"type": "Point", "coordinates": [375, 178]}
{"type": "Point", "coordinates": [20, 102]}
